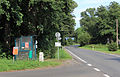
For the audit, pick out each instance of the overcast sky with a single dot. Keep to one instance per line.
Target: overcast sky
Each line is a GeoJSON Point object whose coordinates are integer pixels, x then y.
{"type": "Point", "coordinates": [84, 4]}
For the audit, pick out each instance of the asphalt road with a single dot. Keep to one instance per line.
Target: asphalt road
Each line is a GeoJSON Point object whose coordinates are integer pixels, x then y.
{"type": "Point", "coordinates": [106, 63]}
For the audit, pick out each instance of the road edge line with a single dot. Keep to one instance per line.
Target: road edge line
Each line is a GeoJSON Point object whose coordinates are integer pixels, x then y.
{"type": "Point", "coordinates": [76, 56]}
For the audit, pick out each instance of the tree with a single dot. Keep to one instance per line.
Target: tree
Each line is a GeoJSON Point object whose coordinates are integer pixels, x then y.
{"type": "Point", "coordinates": [42, 18]}
{"type": "Point", "coordinates": [82, 36]}
{"type": "Point", "coordinates": [100, 22]}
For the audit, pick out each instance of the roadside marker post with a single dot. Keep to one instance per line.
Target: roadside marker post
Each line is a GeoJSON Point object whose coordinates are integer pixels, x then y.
{"type": "Point", "coordinates": [58, 44]}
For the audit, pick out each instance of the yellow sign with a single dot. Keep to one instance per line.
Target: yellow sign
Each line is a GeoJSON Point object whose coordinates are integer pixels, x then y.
{"type": "Point", "coordinates": [15, 50]}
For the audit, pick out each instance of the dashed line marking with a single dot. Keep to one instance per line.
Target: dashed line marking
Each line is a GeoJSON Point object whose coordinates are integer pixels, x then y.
{"type": "Point", "coordinates": [76, 56]}
{"type": "Point", "coordinates": [96, 69]}
{"type": "Point", "coordinates": [106, 75]}
{"type": "Point", "coordinates": [89, 65]}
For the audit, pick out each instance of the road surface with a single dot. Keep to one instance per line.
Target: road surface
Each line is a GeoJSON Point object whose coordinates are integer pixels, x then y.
{"type": "Point", "coordinates": [106, 63]}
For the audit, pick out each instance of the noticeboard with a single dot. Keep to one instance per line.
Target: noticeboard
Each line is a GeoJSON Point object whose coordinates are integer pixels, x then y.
{"type": "Point", "coordinates": [15, 50]}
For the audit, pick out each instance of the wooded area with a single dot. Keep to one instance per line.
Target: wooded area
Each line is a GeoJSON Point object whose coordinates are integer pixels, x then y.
{"type": "Point", "coordinates": [99, 25]}
{"type": "Point", "coordinates": [35, 17]}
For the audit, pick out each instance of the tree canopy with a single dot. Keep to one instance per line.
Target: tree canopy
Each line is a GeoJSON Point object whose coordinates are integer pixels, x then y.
{"type": "Point", "coordinates": [35, 17]}
{"type": "Point", "coordinates": [100, 23]}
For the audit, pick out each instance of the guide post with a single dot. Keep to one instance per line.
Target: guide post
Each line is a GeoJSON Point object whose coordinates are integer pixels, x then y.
{"type": "Point", "coordinates": [58, 44]}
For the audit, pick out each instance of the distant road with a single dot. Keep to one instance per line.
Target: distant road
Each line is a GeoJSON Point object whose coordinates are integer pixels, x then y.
{"type": "Point", "coordinates": [108, 64]}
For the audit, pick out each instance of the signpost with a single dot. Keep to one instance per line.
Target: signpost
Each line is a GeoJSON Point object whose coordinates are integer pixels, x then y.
{"type": "Point", "coordinates": [58, 44]}
{"type": "Point", "coordinates": [15, 52]}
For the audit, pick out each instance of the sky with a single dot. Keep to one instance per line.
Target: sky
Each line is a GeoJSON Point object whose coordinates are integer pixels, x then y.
{"type": "Point", "coordinates": [84, 4]}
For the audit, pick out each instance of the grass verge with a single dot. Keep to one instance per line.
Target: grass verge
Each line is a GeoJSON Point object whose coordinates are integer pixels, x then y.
{"type": "Point", "coordinates": [63, 55]}
{"type": "Point", "coordinates": [8, 65]}
{"type": "Point", "coordinates": [101, 48]}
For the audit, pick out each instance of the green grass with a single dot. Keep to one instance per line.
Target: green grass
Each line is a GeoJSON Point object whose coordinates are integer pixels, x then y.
{"type": "Point", "coordinates": [63, 55]}
{"type": "Point", "coordinates": [8, 65]}
{"type": "Point", "coordinates": [101, 48]}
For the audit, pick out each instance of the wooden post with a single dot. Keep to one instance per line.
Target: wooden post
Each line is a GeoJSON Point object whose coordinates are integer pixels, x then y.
{"type": "Point", "coordinates": [117, 32]}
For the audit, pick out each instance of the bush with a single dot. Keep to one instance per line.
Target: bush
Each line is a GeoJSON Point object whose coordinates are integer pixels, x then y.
{"type": "Point", "coordinates": [112, 46]}
{"type": "Point", "coordinates": [84, 38]}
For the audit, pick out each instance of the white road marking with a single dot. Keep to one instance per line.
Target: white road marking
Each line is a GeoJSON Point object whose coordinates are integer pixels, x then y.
{"type": "Point", "coordinates": [96, 69]}
{"type": "Point", "coordinates": [76, 56]}
{"type": "Point", "coordinates": [106, 75]}
{"type": "Point", "coordinates": [89, 65]}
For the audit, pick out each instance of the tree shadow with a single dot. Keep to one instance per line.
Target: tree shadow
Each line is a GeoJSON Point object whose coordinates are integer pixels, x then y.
{"type": "Point", "coordinates": [115, 59]}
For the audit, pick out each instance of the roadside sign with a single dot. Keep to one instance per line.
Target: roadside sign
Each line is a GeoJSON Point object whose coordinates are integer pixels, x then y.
{"type": "Point", "coordinates": [58, 44]}
{"type": "Point", "coordinates": [15, 50]}
{"type": "Point", "coordinates": [59, 38]}
{"type": "Point", "coordinates": [57, 34]}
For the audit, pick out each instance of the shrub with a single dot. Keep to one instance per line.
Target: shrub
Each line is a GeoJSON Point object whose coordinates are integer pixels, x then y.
{"type": "Point", "coordinates": [112, 46]}
{"type": "Point", "coordinates": [84, 38]}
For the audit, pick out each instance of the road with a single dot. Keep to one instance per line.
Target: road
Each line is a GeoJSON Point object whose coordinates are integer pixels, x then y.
{"type": "Point", "coordinates": [106, 63]}
{"type": "Point", "coordinates": [85, 63]}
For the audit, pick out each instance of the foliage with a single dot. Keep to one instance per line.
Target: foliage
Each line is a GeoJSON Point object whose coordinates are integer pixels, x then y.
{"type": "Point", "coordinates": [82, 37]}
{"type": "Point", "coordinates": [42, 18]}
{"type": "Point", "coordinates": [69, 41]}
{"type": "Point", "coordinates": [112, 46]}
{"type": "Point", "coordinates": [100, 23]}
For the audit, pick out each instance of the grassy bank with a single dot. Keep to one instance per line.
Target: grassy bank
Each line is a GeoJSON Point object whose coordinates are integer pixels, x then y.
{"type": "Point", "coordinates": [63, 55]}
{"type": "Point", "coordinates": [7, 65]}
{"type": "Point", "coordinates": [101, 48]}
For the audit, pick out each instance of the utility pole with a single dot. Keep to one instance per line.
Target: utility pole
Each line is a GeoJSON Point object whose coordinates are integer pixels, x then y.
{"type": "Point", "coordinates": [117, 32]}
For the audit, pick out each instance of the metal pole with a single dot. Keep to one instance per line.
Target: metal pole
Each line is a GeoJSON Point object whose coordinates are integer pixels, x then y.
{"type": "Point", "coordinates": [58, 53]}
{"type": "Point", "coordinates": [117, 32]}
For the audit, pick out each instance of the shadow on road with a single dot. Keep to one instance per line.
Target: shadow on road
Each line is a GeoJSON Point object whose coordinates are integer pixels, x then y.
{"type": "Point", "coordinates": [117, 59]}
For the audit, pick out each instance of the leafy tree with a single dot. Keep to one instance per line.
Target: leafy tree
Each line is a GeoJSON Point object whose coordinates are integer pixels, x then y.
{"type": "Point", "coordinates": [100, 23]}
{"type": "Point", "coordinates": [42, 18]}
{"type": "Point", "coordinates": [82, 36]}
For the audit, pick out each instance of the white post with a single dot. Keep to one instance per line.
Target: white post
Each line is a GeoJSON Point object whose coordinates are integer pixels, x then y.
{"type": "Point", "coordinates": [58, 53]}
{"type": "Point", "coordinates": [41, 56]}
